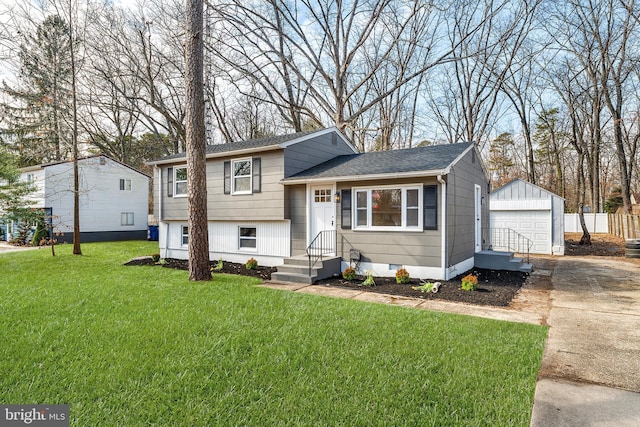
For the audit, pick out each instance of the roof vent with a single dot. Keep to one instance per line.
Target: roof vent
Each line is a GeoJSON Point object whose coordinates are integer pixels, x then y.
{"type": "Point", "coordinates": [103, 161]}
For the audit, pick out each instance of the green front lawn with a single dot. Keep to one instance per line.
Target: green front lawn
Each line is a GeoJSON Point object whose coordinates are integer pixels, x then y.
{"type": "Point", "coordinates": [143, 345]}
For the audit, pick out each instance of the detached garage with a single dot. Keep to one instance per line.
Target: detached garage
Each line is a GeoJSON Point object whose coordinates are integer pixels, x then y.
{"type": "Point", "coordinates": [532, 212]}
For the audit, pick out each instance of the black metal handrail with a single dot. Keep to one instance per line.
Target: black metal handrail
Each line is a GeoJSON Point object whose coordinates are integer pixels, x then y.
{"type": "Point", "coordinates": [323, 244]}
{"type": "Point", "coordinates": [506, 238]}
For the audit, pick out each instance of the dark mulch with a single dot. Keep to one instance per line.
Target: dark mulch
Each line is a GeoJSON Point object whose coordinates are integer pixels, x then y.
{"type": "Point", "coordinates": [495, 288]}
{"type": "Point", "coordinates": [261, 272]}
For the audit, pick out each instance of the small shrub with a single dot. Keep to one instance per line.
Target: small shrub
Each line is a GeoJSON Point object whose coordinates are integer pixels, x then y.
{"type": "Point", "coordinates": [155, 257]}
{"type": "Point", "coordinates": [369, 280]}
{"type": "Point", "coordinates": [252, 264]}
{"type": "Point", "coordinates": [402, 276]}
{"type": "Point", "coordinates": [424, 287]}
{"type": "Point", "coordinates": [469, 283]}
{"type": "Point", "coordinates": [220, 265]}
{"type": "Point", "coordinates": [349, 274]}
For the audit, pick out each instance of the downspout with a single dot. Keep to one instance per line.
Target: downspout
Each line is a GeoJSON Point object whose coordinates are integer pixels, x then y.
{"type": "Point", "coordinates": [443, 234]}
{"type": "Point", "coordinates": [159, 175]}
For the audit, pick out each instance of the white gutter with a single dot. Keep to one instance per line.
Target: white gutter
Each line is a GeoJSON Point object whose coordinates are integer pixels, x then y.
{"type": "Point", "coordinates": [393, 175]}
{"type": "Point", "coordinates": [443, 233]}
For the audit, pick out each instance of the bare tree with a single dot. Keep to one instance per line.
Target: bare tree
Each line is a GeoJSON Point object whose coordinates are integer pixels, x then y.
{"type": "Point", "coordinates": [468, 106]}
{"type": "Point", "coordinates": [322, 60]}
{"type": "Point", "coordinates": [602, 37]}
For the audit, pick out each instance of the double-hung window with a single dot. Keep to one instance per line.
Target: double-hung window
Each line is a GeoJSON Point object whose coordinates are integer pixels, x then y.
{"type": "Point", "coordinates": [241, 176]}
{"type": "Point", "coordinates": [180, 181]}
{"type": "Point", "coordinates": [125, 184]}
{"type": "Point", "coordinates": [126, 218]}
{"type": "Point", "coordinates": [247, 238]}
{"type": "Point", "coordinates": [388, 208]}
{"type": "Point", "coordinates": [185, 235]}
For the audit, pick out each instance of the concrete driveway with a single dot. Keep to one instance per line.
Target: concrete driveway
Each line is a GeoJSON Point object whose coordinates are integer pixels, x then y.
{"type": "Point", "coordinates": [590, 373]}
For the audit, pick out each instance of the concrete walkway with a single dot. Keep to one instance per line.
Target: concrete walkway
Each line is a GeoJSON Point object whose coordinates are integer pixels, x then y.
{"type": "Point", "coordinates": [6, 247]}
{"type": "Point", "coordinates": [590, 373]}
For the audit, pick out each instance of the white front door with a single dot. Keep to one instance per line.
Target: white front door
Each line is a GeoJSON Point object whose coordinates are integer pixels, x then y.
{"type": "Point", "coordinates": [478, 217]}
{"type": "Point", "coordinates": [322, 211]}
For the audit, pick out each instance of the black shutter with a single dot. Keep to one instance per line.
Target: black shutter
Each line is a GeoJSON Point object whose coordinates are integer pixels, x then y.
{"type": "Point", "coordinates": [227, 177]}
{"type": "Point", "coordinates": [257, 179]}
{"type": "Point", "coordinates": [170, 182]}
{"type": "Point", "coordinates": [121, 184]}
{"type": "Point", "coordinates": [430, 200]}
{"type": "Point", "coordinates": [345, 209]}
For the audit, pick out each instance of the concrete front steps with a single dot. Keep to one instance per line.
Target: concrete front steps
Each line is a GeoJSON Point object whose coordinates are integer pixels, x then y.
{"type": "Point", "coordinates": [296, 269]}
{"type": "Point", "coordinates": [498, 260]}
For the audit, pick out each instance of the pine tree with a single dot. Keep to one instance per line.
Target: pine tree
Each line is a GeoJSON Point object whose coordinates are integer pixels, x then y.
{"type": "Point", "coordinates": [13, 192]}
{"type": "Point", "coordinates": [500, 157]}
{"type": "Point", "coordinates": [39, 115]}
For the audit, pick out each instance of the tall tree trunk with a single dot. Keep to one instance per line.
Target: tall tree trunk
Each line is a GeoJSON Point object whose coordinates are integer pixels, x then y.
{"type": "Point", "coordinates": [582, 190]}
{"type": "Point", "coordinates": [195, 144]}
{"type": "Point", "coordinates": [74, 141]}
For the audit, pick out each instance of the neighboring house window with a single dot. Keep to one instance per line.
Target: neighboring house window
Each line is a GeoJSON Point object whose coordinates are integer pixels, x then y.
{"type": "Point", "coordinates": [125, 184]}
{"type": "Point", "coordinates": [388, 208]}
{"type": "Point", "coordinates": [30, 178]}
{"type": "Point", "coordinates": [185, 235]}
{"type": "Point", "coordinates": [243, 176]}
{"type": "Point", "coordinates": [126, 218]}
{"type": "Point", "coordinates": [180, 181]}
{"type": "Point", "coordinates": [247, 238]}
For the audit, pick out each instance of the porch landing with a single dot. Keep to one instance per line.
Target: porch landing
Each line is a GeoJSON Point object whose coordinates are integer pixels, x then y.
{"type": "Point", "coordinates": [498, 260]}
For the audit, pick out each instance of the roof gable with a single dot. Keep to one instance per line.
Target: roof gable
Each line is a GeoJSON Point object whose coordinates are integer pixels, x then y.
{"type": "Point", "coordinates": [435, 159]}
{"type": "Point", "coordinates": [80, 160]}
{"type": "Point", "coordinates": [271, 142]}
{"type": "Point", "coordinates": [519, 189]}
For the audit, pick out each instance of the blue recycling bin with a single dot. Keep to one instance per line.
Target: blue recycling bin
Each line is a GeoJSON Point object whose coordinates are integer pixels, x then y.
{"type": "Point", "coordinates": [153, 233]}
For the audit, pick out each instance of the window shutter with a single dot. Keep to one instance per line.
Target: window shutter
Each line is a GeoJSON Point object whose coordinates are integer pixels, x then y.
{"type": "Point", "coordinates": [430, 201]}
{"type": "Point", "coordinates": [227, 177]}
{"type": "Point", "coordinates": [257, 178]}
{"type": "Point", "coordinates": [121, 184]}
{"type": "Point", "coordinates": [169, 182]}
{"type": "Point", "coordinates": [345, 209]}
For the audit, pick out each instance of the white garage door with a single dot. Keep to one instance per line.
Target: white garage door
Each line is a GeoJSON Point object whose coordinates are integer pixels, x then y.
{"type": "Point", "coordinates": [534, 225]}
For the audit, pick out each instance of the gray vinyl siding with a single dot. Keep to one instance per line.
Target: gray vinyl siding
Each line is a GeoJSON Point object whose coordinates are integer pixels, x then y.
{"type": "Point", "coordinates": [173, 208]}
{"type": "Point", "coordinates": [461, 208]}
{"type": "Point", "coordinates": [296, 208]}
{"type": "Point", "coordinates": [266, 205]}
{"type": "Point", "coordinates": [305, 154]}
{"type": "Point", "coordinates": [420, 248]}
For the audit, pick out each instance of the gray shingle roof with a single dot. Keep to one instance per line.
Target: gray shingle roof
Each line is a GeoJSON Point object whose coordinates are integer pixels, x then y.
{"type": "Point", "coordinates": [244, 145]}
{"type": "Point", "coordinates": [430, 158]}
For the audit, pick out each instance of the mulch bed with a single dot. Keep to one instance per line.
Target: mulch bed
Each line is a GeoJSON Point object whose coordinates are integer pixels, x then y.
{"type": "Point", "coordinates": [261, 272]}
{"type": "Point", "coordinates": [495, 288]}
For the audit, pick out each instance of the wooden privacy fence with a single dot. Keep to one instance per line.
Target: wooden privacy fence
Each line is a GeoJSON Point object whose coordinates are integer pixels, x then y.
{"type": "Point", "coordinates": [625, 226]}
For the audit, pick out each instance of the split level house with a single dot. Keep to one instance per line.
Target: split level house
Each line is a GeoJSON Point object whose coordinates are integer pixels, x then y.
{"type": "Point", "coordinates": [114, 199]}
{"type": "Point", "coordinates": [313, 195]}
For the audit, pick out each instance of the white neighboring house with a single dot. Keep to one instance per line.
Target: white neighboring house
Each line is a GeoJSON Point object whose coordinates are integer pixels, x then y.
{"type": "Point", "coordinates": [113, 198]}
